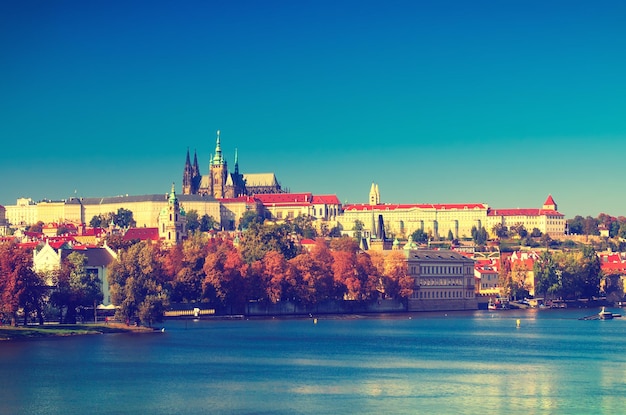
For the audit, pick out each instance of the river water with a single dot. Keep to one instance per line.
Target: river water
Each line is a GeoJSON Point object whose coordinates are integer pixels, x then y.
{"type": "Point", "coordinates": [459, 362]}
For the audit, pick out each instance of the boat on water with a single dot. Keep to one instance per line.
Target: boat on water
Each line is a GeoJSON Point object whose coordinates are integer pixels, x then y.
{"type": "Point", "coordinates": [605, 315]}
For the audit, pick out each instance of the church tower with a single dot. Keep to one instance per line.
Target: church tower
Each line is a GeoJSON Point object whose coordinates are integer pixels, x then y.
{"type": "Point", "coordinates": [549, 204]}
{"type": "Point", "coordinates": [196, 177]}
{"type": "Point", "coordinates": [191, 175]}
{"type": "Point", "coordinates": [218, 171]}
{"type": "Point", "coordinates": [374, 195]}
{"type": "Point", "coordinates": [187, 176]}
{"type": "Point", "coordinates": [172, 221]}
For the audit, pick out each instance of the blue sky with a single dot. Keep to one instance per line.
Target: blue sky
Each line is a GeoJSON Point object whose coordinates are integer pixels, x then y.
{"type": "Point", "coordinates": [499, 102]}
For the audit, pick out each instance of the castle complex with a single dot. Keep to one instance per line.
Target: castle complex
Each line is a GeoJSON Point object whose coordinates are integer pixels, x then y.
{"type": "Point", "coordinates": [222, 184]}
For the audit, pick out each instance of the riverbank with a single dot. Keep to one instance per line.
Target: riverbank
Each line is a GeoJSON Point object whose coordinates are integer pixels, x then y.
{"type": "Point", "coordinates": [64, 330]}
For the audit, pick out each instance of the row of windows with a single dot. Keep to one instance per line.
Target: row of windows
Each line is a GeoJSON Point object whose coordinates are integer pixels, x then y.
{"type": "Point", "coordinates": [441, 281]}
{"type": "Point", "coordinates": [425, 295]}
{"type": "Point", "coordinates": [439, 270]}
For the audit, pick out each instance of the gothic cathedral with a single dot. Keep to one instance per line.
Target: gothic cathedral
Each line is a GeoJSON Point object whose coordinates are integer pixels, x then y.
{"type": "Point", "coordinates": [219, 183]}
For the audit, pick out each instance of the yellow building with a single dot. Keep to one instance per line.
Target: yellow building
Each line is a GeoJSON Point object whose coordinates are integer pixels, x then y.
{"type": "Point", "coordinates": [547, 219]}
{"type": "Point", "coordinates": [145, 208]}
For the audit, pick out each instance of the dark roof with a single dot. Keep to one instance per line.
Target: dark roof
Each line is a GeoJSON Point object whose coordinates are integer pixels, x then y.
{"type": "Point", "coordinates": [438, 255]}
{"type": "Point", "coordinates": [143, 198]}
{"type": "Point", "coordinates": [142, 234]}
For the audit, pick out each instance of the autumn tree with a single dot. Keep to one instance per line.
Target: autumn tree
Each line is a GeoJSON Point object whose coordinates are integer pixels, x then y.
{"type": "Point", "coordinates": [37, 227]}
{"type": "Point", "coordinates": [20, 286]}
{"type": "Point", "coordinates": [184, 265]}
{"type": "Point", "coordinates": [136, 281]}
{"type": "Point", "coordinates": [300, 280]}
{"type": "Point", "coordinates": [396, 281]}
{"type": "Point", "coordinates": [224, 275]}
{"type": "Point", "coordinates": [273, 275]}
{"type": "Point", "coordinates": [321, 273]}
{"type": "Point", "coordinates": [368, 274]}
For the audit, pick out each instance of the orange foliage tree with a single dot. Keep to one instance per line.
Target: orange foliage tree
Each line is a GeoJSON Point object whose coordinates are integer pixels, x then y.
{"type": "Point", "coordinates": [225, 271]}
{"type": "Point", "coordinates": [20, 286]}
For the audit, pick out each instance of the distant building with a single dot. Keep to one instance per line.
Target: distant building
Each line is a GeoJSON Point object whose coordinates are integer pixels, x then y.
{"type": "Point", "coordinates": [440, 220]}
{"type": "Point", "coordinates": [222, 184]}
{"type": "Point", "coordinates": [437, 220]}
{"type": "Point", "coordinates": [3, 221]}
{"type": "Point", "coordinates": [547, 219]}
{"type": "Point", "coordinates": [47, 259]}
{"type": "Point", "coordinates": [172, 221]}
{"type": "Point", "coordinates": [281, 206]}
{"type": "Point", "coordinates": [444, 280]}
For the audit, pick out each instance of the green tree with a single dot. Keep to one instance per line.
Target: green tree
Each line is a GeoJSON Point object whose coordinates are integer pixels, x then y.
{"type": "Point", "coordinates": [500, 230]}
{"type": "Point", "coordinates": [358, 229]}
{"type": "Point", "coordinates": [124, 218]}
{"type": "Point", "coordinates": [249, 218]}
{"type": "Point", "coordinates": [547, 280]}
{"type": "Point", "coordinates": [450, 235]}
{"type": "Point", "coordinates": [193, 223]}
{"type": "Point", "coordinates": [208, 223]}
{"type": "Point", "coordinates": [303, 226]}
{"type": "Point", "coordinates": [259, 239]}
{"type": "Point", "coordinates": [76, 287]}
{"type": "Point", "coordinates": [419, 236]}
{"type": "Point", "coordinates": [479, 235]}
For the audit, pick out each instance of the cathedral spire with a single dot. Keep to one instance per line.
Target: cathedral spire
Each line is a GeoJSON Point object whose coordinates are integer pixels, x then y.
{"type": "Point", "coordinates": [187, 176]}
{"type": "Point", "coordinates": [196, 168]}
{"type": "Point", "coordinates": [218, 158]}
{"type": "Point", "coordinates": [236, 162]}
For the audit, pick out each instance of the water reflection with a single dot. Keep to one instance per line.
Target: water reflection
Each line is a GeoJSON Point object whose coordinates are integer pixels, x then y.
{"type": "Point", "coordinates": [449, 363]}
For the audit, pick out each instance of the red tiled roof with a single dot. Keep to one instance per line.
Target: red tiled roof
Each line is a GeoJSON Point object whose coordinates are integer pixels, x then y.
{"type": "Point", "coordinates": [486, 271]}
{"type": "Point", "coordinates": [549, 201]}
{"type": "Point", "coordinates": [26, 245]}
{"type": "Point", "coordinates": [93, 231]}
{"type": "Point", "coordinates": [284, 198]}
{"type": "Point", "coordinates": [56, 244]}
{"type": "Point", "coordinates": [296, 199]}
{"type": "Point", "coordinates": [613, 267]}
{"type": "Point", "coordinates": [523, 212]}
{"type": "Point", "coordinates": [437, 206]}
{"type": "Point", "coordinates": [326, 200]}
{"type": "Point", "coordinates": [142, 234]}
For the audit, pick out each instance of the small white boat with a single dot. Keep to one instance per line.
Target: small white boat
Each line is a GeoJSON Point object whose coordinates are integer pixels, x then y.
{"type": "Point", "coordinates": [605, 315]}
{"type": "Point", "coordinates": [491, 305]}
